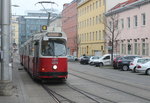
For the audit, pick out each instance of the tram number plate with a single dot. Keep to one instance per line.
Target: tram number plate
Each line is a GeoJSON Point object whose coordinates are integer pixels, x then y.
{"type": "Point", "coordinates": [55, 61]}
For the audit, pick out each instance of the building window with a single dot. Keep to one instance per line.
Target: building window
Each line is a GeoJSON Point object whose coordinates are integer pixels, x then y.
{"type": "Point", "coordinates": [93, 6]}
{"type": "Point", "coordinates": [139, 49]}
{"type": "Point", "coordinates": [99, 35]}
{"type": "Point", "coordinates": [135, 21]}
{"type": "Point", "coordinates": [87, 22]}
{"type": "Point", "coordinates": [96, 19]}
{"type": "Point", "coordinates": [129, 48]}
{"type": "Point", "coordinates": [100, 18]}
{"type": "Point", "coordinates": [135, 47]}
{"type": "Point", "coordinates": [143, 19]}
{"type": "Point", "coordinates": [145, 48]}
{"type": "Point", "coordinates": [87, 36]}
{"type": "Point", "coordinates": [100, 2]}
{"type": "Point", "coordinates": [128, 20]}
{"type": "Point", "coordinates": [122, 23]}
{"type": "Point", "coordinates": [93, 36]}
{"type": "Point", "coordinates": [90, 21]}
{"type": "Point", "coordinates": [96, 36]}
{"type": "Point", "coordinates": [87, 8]}
{"type": "Point", "coordinates": [116, 24]}
{"type": "Point", "coordinates": [123, 48]}
{"type": "Point", "coordinates": [90, 7]}
{"type": "Point", "coordinates": [93, 20]}
{"type": "Point", "coordinates": [96, 4]}
{"type": "Point", "coordinates": [103, 36]}
{"type": "Point", "coordinates": [90, 36]}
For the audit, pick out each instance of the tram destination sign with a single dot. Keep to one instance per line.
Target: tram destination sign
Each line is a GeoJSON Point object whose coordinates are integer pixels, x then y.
{"type": "Point", "coordinates": [54, 34]}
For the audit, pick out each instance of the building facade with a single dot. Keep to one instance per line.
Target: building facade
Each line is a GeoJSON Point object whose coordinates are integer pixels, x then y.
{"type": "Point", "coordinates": [133, 24]}
{"type": "Point", "coordinates": [15, 32]}
{"type": "Point", "coordinates": [91, 34]}
{"type": "Point", "coordinates": [55, 24]}
{"type": "Point", "coordinates": [30, 24]}
{"type": "Point", "coordinates": [69, 26]}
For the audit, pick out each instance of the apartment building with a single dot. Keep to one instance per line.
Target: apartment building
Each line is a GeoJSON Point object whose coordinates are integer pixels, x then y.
{"type": "Point", "coordinates": [133, 24]}
{"type": "Point", "coordinates": [69, 26]}
{"type": "Point", "coordinates": [91, 35]}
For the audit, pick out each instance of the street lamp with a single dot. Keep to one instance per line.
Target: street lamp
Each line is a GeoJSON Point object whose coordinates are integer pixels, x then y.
{"type": "Point", "coordinates": [15, 5]}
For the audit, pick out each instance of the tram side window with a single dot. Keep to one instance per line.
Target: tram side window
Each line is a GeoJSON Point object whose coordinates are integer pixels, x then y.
{"type": "Point", "coordinates": [31, 49]}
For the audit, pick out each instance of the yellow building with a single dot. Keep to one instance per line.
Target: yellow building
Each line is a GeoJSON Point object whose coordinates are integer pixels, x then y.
{"type": "Point", "coordinates": [91, 29]}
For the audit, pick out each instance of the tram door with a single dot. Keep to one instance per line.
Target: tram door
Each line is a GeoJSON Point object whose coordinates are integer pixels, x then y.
{"type": "Point", "coordinates": [36, 57]}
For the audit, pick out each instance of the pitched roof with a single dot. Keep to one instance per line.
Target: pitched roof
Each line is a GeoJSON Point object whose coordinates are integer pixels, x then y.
{"type": "Point", "coordinates": [123, 4]}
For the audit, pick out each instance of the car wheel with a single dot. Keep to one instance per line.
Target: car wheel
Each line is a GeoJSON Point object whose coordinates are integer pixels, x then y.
{"type": "Point", "coordinates": [148, 71]}
{"type": "Point", "coordinates": [101, 64]}
{"type": "Point", "coordinates": [125, 68]}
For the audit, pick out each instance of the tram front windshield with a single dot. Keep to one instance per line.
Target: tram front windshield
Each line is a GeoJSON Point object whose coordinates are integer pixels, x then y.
{"type": "Point", "coordinates": [54, 47]}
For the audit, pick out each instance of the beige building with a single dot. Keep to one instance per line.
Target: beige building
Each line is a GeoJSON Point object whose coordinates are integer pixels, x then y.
{"type": "Point", "coordinates": [91, 29]}
{"type": "Point", "coordinates": [15, 32]}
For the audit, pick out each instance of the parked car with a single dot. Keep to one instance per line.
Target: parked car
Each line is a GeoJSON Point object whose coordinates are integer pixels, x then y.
{"type": "Point", "coordinates": [144, 68]}
{"type": "Point", "coordinates": [85, 60]}
{"type": "Point", "coordinates": [105, 60]}
{"type": "Point", "coordinates": [115, 62]}
{"type": "Point", "coordinates": [71, 58]}
{"type": "Point", "coordinates": [136, 62]}
{"type": "Point", "coordinates": [79, 59]}
{"type": "Point", "coordinates": [93, 59]}
{"type": "Point", "coordinates": [124, 62]}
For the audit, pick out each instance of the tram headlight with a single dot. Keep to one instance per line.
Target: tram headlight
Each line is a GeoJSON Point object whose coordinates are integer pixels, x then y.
{"type": "Point", "coordinates": [54, 67]}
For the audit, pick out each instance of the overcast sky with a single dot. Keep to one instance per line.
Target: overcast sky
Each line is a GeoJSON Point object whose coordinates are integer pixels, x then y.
{"type": "Point", "coordinates": [30, 5]}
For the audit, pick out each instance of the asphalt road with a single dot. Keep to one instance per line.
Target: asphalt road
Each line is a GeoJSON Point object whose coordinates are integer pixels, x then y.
{"type": "Point", "coordinates": [108, 85]}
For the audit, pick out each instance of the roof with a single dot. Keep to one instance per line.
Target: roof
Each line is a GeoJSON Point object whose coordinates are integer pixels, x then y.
{"type": "Point", "coordinates": [123, 4]}
{"type": "Point", "coordinates": [27, 17]}
{"type": "Point", "coordinates": [127, 5]}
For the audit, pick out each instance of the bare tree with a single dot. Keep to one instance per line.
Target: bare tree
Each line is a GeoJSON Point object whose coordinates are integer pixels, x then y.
{"type": "Point", "coordinates": [77, 41]}
{"type": "Point", "coordinates": [112, 31]}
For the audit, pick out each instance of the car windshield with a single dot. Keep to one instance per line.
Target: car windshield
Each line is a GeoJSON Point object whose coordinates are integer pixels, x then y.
{"type": "Point", "coordinates": [96, 57]}
{"type": "Point", "coordinates": [54, 47]}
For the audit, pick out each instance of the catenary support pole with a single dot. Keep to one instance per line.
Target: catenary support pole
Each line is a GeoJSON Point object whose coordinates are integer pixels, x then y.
{"type": "Point", "coordinates": [5, 83]}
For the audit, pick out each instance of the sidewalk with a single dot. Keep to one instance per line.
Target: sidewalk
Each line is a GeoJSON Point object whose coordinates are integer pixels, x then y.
{"type": "Point", "coordinates": [25, 90]}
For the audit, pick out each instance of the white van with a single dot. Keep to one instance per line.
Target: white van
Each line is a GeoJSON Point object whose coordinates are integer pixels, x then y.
{"type": "Point", "coordinates": [105, 60]}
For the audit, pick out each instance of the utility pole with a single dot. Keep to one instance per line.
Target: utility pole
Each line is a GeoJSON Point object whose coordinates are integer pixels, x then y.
{"type": "Point", "coordinates": [6, 73]}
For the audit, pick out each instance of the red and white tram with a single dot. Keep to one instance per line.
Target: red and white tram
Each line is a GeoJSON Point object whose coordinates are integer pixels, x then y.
{"type": "Point", "coordinates": [44, 55]}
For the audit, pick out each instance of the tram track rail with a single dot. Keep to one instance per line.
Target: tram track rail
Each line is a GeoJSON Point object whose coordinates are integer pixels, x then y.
{"type": "Point", "coordinates": [86, 94]}
{"type": "Point", "coordinates": [56, 98]}
{"type": "Point", "coordinates": [131, 85]}
{"type": "Point", "coordinates": [89, 95]}
{"type": "Point", "coordinates": [105, 85]}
